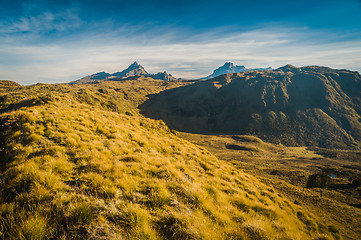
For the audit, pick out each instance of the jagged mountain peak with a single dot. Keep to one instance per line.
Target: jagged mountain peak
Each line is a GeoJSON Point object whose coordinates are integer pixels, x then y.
{"type": "Point", "coordinates": [135, 69]}
{"type": "Point", "coordinates": [228, 64]}
{"type": "Point", "coordinates": [135, 65]}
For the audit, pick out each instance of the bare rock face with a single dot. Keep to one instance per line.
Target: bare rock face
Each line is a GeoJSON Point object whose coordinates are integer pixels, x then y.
{"type": "Point", "coordinates": [314, 106]}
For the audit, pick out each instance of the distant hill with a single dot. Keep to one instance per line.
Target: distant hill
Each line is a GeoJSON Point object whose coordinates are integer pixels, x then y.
{"type": "Point", "coordinates": [92, 78]}
{"type": "Point", "coordinates": [229, 67]}
{"type": "Point", "coordinates": [134, 70]}
{"type": "Point", "coordinates": [313, 106]}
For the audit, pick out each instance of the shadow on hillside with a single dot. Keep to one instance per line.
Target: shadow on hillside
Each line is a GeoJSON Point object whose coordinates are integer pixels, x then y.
{"type": "Point", "coordinates": [210, 108]}
{"type": "Point", "coordinates": [197, 108]}
{"type": "Point", "coordinates": [341, 186]}
{"type": "Point", "coordinates": [25, 103]}
{"type": "Point", "coordinates": [239, 147]}
{"type": "Point", "coordinates": [356, 205]}
{"type": "Point", "coordinates": [159, 106]}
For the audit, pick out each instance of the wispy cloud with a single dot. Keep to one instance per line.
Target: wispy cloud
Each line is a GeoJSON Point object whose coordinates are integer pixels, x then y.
{"type": "Point", "coordinates": [176, 51]}
{"type": "Point", "coordinates": [37, 25]}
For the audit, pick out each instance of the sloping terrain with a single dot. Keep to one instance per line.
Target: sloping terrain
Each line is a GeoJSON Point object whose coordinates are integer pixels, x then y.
{"type": "Point", "coordinates": [289, 170]}
{"type": "Point", "coordinates": [121, 97]}
{"type": "Point", "coordinates": [72, 169]}
{"type": "Point", "coordinates": [309, 106]}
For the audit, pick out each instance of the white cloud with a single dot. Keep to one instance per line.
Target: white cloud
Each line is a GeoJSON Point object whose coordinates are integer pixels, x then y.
{"type": "Point", "coordinates": [193, 57]}
{"type": "Point", "coordinates": [42, 23]}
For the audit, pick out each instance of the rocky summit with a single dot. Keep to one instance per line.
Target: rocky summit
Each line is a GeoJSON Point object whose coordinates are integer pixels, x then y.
{"type": "Point", "coordinates": [312, 106]}
{"type": "Point", "coordinates": [135, 69]}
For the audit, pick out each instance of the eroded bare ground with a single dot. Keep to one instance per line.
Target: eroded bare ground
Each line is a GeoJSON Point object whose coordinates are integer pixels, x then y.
{"type": "Point", "coordinates": [288, 170]}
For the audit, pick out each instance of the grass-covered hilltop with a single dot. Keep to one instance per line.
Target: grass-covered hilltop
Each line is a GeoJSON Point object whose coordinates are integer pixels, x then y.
{"type": "Point", "coordinates": [80, 162]}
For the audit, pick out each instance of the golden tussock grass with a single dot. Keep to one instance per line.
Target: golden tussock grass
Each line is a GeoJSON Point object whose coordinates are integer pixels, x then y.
{"type": "Point", "coordinates": [74, 171]}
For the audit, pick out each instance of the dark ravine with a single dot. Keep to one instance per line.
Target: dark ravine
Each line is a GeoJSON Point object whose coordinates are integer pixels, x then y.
{"type": "Point", "coordinates": [312, 106]}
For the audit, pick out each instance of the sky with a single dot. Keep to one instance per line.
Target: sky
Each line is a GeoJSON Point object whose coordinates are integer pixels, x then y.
{"type": "Point", "coordinates": [60, 41]}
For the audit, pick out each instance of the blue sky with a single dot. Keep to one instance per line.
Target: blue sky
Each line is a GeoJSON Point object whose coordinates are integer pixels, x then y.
{"type": "Point", "coordinates": [60, 41]}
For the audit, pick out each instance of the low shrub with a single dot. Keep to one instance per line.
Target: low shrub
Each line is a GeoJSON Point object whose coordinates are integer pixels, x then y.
{"type": "Point", "coordinates": [318, 180]}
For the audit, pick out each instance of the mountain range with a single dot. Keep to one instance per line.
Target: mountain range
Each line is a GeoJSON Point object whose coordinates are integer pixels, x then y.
{"type": "Point", "coordinates": [312, 106]}
{"type": "Point", "coordinates": [137, 70]}
{"type": "Point", "coordinates": [134, 70]}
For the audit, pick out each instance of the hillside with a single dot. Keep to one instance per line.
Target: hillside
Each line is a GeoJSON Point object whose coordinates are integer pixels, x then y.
{"type": "Point", "coordinates": [289, 170]}
{"type": "Point", "coordinates": [74, 167]}
{"type": "Point", "coordinates": [308, 106]}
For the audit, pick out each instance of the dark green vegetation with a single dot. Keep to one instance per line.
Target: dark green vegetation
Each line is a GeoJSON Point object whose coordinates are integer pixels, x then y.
{"type": "Point", "coordinates": [312, 106]}
{"type": "Point", "coordinates": [80, 162]}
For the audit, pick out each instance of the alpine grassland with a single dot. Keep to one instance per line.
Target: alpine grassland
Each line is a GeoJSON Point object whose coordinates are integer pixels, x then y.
{"type": "Point", "coordinates": [80, 162]}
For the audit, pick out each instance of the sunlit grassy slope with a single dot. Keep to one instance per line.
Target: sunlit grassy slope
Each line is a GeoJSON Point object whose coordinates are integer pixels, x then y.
{"type": "Point", "coordinates": [288, 170]}
{"type": "Point", "coordinates": [72, 169]}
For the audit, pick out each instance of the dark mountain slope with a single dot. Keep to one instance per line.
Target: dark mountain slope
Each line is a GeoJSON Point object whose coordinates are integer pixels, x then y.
{"type": "Point", "coordinates": [315, 106]}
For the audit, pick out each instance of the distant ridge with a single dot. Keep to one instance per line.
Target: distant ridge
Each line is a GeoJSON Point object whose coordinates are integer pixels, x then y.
{"type": "Point", "coordinates": [134, 70]}
{"type": "Point", "coordinates": [229, 67]}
